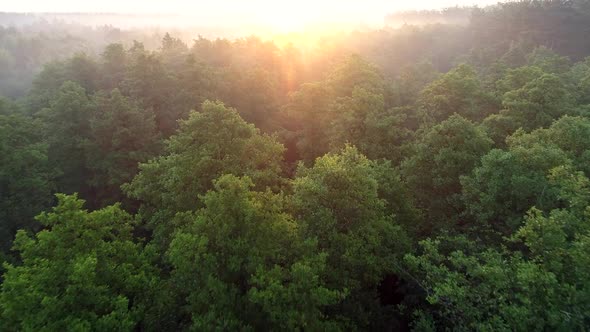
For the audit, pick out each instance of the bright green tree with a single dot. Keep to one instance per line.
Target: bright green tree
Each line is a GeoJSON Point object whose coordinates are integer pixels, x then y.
{"type": "Point", "coordinates": [209, 143]}
{"type": "Point", "coordinates": [543, 287]}
{"type": "Point", "coordinates": [83, 272]}
{"type": "Point", "coordinates": [538, 102]}
{"type": "Point", "coordinates": [337, 203]}
{"type": "Point", "coordinates": [509, 182]}
{"type": "Point", "coordinates": [499, 192]}
{"type": "Point", "coordinates": [237, 262]}
{"type": "Point", "coordinates": [570, 134]}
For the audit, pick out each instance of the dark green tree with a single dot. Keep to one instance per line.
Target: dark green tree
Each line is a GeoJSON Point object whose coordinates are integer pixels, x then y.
{"type": "Point", "coordinates": [308, 109]}
{"type": "Point", "coordinates": [148, 81]}
{"type": "Point", "coordinates": [458, 91]}
{"type": "Point", "coordinates": [363, 121]}
{"type": "Point", "coordinates": [26, 177]}
{"type": "Point", "coordinates": [441, 155]}
{"type": "Point", "coordinates": [66, 128]}
{"type": "Point", "coordinates": [113, 65]}
{"type": "Point", "coordinates": [122, 135]}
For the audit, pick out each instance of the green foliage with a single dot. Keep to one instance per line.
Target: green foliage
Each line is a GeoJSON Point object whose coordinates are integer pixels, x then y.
{"type": "Point", "coordinates": [508, 183]}
{"type": "Point", "coordinates": [238, 262]}
{"type": "Point", "coordinates": [337, 202]}
{"type": "Point", "coordinates": [439, 157]}
{"type": "Point", "coordinates": [309, 109]}
{"type": "Point", "coordinates": [490, 291]}
{"type": "Point", "coordinates": [548, 60]}
{"type": "Point", "coordinates": [580, 76]}
{"type": "Point", "coordinates": [254, 94]}
{"type": "Point", "coordinates": [83, 70]}
{"type": "Point", "coordinates": [342, 109]}
{"type": "Point", "coordinates": [46, 84]}
{"type": "Point", "coordinates": [208, 144]}
{"type": "Point", "coordinates": [66, 128]}
{"type": "Point", "coordinates": [147, 81]}
{"type": "Point", "coordinates": [83, 272]}
{"type": "Point", "coordinates": [354, 72]}
{"type": "Point", "coordinates": [26, 177]}
{"type": "Point", "coordinates": [174, 53]}
{"type": "Point", "coordinates": [80, 69]}
{"type": "Point", "coordinates": [514, 79]}
{"type": "Point", "coordinates": [363, 121]}
{"type": "Point", "coordinates": [412, 80]}
{"type": "Point", "coordinates": [538, 102]}
{"type": "Point", "coordinates": [121, 136]}
{"type": "Point", "coordinates": [114, 60]}
{"type": "Point", "coordinates": [458, 91]}
{"type": "Point", "coordinates": [500, 289]}
{"type": "Point", "coordinates": [570, 134]}
{"type": "Point", "coordinates": [498, 127]}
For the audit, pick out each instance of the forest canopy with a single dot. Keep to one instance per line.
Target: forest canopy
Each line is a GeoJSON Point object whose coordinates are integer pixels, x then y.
{"type": "Point", "coordinates": [428, 176]}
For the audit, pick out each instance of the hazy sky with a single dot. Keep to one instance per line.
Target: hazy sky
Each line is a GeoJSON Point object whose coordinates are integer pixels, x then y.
{"type": "Point", "coordinates": [274, 12]}
{"type": "Point", "coordinates": [253, 7]}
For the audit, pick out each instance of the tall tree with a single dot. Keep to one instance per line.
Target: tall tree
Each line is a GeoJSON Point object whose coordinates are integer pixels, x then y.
{"type": "Point", "coordinates": [209, 143]}
{"type": "Point", "coordinates": [66, 128]}
{"type": "Point", "coordinates": [538, 102]}
{"type": "Point", "coordinates": [26, 176]}
{"type": "Point", "coordinates": [458, 91]}
{"type": "Point", "coordinates": [148, 81]}
{"type": "Point", "coordinates": [499, 192]}
{"type": "Point", "coordinates": [363, 121]}
{"type": "Point", "coordinates": [113, 61]}
{"type": "Point", "coordinates": [238, 260]}
{"type": "Point", "coordinates": [439, 158]}
{"type": "Point", "coordinates": [355, 72]}
{"type": "Point", "coordinates": [337, 202]}
{"type": "Point", "coordinates": [122, 135]}
{"type": "Point", "coordinates": [308, 111]}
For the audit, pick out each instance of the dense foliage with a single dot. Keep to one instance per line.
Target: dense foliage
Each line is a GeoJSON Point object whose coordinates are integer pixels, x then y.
{"type": "Point", "coordinates": [238, 185]}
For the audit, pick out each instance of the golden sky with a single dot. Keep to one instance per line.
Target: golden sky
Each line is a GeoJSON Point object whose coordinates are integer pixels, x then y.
{"type": "Point", "coordinates": [281, 14]}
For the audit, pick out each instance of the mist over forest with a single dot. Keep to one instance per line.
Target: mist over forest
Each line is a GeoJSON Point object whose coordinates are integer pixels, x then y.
{"type": "Point", "coordinates": [425, 171]}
